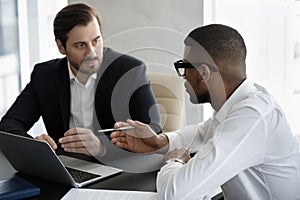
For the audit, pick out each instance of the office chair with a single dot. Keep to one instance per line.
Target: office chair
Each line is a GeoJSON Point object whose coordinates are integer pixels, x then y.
{"type": "Point", "coordinates": [168, 90]}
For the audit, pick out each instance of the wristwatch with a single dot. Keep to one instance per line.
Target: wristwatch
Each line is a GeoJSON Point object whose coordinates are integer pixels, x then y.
{"type": "Point", "coordinates": [175, 160]}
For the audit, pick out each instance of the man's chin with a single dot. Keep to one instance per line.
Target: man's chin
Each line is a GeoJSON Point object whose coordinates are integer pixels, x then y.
{"type": "Point", "coordinates": [193, 99]}
{"type": "Point", "coordinates": [198, 100]}
{"type": "Point", "coordinates": [89, 70]}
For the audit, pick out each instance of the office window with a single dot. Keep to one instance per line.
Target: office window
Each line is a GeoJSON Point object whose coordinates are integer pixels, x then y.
{"type": "Point", "coordinates": [297, 49]}
{"type": "Point", "coordinates": [269, 30]}
{"type": "Point", "coordinates": [9, 54]}
{"type": "Point", "coordinates": [39, 43]}
{"type": "Point", "coordinates": [26, 38]}
{"type": "Point", "coordinates": [296, 71]}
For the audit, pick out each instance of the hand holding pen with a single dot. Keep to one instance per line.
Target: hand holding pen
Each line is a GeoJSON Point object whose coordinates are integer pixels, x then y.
{"type": "Point", "coordinates": [141, 139]}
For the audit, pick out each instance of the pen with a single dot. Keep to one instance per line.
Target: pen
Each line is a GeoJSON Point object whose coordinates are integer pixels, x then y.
{"type": "Point", "coordinates": [116, 129]}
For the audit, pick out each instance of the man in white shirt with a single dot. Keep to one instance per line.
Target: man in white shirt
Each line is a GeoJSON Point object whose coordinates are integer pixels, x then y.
{"type": "Point", "coordinates": [247, 147]}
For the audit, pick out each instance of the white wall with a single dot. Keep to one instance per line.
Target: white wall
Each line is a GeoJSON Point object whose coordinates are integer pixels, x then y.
{"type": "Point", "coordinates": [152, 30]}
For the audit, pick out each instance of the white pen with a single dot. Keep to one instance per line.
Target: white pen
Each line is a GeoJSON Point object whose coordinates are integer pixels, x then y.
{"type": "Point", "coordinates": [124, 128]}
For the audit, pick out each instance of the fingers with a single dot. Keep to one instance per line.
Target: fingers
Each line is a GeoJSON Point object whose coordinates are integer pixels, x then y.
{"type": "Point", "coordinates": [122, 145]}
{"type": "Point", "coordinates": [120, 124]}
{"type": "Point", "coordinates": [141, 130]}
{"type": "Point", "coordinates": [140, 139]}
{"type": "Point", "coordinates": [89, 147]}
{"type": "Point", "coordinates": [135, 123]}
{"type": "Point", "coordinates": [69, 139]}
{"type": "Point", "coordinates": [77, 134]}
{"type": "Point", "coordinates": [118, 136]}
{"type": "Point", "coordinates": [72, 135]}
{"type": "Point", "coordinates": [73, 144]}
{"type": "Point", "coordinates": [46, 138]}
{"type": "Point", "coordinates": [81, 140]}
{"type": "Point", "coordinates": [75, 147]}
{"type": "Point", "coordinates": [82, 150]}
{"type": "Point", "coordinates": [76, 130]}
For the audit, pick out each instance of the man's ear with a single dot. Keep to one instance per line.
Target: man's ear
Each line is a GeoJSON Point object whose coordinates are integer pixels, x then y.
{"type": "Point", "coordinates": [205, 72]}
{"type": "Point", "coordinates": [60, 47]}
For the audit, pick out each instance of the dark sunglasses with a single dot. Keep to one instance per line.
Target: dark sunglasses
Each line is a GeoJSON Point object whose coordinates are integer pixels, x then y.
{"type": "Point", "coordinates": [181, 67]}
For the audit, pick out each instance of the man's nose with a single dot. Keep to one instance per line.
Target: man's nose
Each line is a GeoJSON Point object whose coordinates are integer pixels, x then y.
{"type": "Point", "coordinates": [91, 50]}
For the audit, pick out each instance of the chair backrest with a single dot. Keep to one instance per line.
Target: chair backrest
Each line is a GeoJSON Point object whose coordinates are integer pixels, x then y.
{"type": "Point", "coordinates": [169, 93]}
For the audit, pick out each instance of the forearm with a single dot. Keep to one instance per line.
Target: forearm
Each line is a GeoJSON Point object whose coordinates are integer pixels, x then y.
{"type": "Point", "coordinates": [167, 186]}
{"type": "Point", "coordinates": [14, 126]}
{"type": "Point", "coordinates": [187, 137]}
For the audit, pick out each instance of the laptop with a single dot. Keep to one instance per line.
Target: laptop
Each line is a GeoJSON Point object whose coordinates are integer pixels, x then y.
{"type": "Point", "coordinates": [36, 158]}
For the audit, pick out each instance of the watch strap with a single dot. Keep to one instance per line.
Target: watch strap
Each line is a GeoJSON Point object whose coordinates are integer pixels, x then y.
{"type": "Point", "coordinates": [175, 160]}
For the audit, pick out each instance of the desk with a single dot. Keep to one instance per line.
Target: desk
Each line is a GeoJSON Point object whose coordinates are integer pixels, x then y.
{"type": "Point", "coordinates": [52, 190]}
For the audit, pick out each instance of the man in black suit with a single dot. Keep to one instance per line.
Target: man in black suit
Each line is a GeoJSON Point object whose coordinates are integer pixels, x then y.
{"type": "Point", "coordinates": [91, 88]}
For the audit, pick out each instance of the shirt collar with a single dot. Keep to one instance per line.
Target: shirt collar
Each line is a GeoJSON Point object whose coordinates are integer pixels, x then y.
{"type": "Point", "coordinates": [238, 95]}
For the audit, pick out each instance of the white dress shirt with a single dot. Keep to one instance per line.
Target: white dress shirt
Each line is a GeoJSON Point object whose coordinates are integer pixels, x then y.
{"type": "Point", "coordinates": [247, 148]}
{"type": "Point", "coordinates": [82, 101]}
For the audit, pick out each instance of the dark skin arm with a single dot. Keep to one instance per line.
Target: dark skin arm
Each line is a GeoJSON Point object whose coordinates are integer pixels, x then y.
{"type": "Point", "coordinates": [142, 139]}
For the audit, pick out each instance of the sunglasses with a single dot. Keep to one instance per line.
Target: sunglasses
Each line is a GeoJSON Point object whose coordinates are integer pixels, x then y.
{"type": "Point", "coordinates": [181, 67]}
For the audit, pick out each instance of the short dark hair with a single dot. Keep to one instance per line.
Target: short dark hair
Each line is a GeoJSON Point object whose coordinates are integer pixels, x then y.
{"type": "Point", "coordinates": [225, 45]}
{"type": "Point", "coordinates": [70, 16]}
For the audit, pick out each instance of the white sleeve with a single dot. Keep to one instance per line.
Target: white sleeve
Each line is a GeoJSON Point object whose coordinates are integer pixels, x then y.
{"type": "Point", "coordinates": [188, 137]}
{"type": "Point", "coordinates": [237, 143]}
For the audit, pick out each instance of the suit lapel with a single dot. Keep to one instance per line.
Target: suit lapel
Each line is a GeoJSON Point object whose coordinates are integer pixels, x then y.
{"type": "Point", "coordinates": [63, 86]}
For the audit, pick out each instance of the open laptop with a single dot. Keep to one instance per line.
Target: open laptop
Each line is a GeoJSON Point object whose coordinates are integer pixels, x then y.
{"type": "Point", "coordinates": [36, 158]}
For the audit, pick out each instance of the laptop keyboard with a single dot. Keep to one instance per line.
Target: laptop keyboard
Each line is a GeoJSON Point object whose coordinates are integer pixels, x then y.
{"type": "Point", "coordinates": [81, 176]}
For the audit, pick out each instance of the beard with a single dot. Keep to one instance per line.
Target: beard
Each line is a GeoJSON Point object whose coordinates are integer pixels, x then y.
{"type": "Point", "coordinates": [202, 97]}
{"type": "Point", "coordinates": [199, 99]}
{"type": "Point", "coordinates": [88, 65]}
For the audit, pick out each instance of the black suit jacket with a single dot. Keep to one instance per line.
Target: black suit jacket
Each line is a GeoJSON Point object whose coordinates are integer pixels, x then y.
{"type": "Point", "coordinates": [123, 92]}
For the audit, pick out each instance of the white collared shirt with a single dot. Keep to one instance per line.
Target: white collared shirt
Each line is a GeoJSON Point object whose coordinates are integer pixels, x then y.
{"type": "Point", "coordinates": [82, 101]}
{"type": "Point", "coordinates": [247, 148]}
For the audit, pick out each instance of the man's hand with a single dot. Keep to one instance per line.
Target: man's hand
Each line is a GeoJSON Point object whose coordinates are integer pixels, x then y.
{"type": "Point", "coordinates": [182, 154]}
{"type": "Point", "coordinates": [46, 138]}
{"type": "Point", "coordinates": [81, 140]}
{"type": "Point", "coordinates": [141, 139]}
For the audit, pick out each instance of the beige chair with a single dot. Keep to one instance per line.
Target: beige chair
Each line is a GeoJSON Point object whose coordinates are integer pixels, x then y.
{"type": "Point", "coordinates": [169, 93]}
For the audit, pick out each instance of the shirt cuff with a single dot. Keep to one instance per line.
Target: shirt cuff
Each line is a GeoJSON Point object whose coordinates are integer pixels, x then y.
{"type": "Point", "coordinates": [173, 141]}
